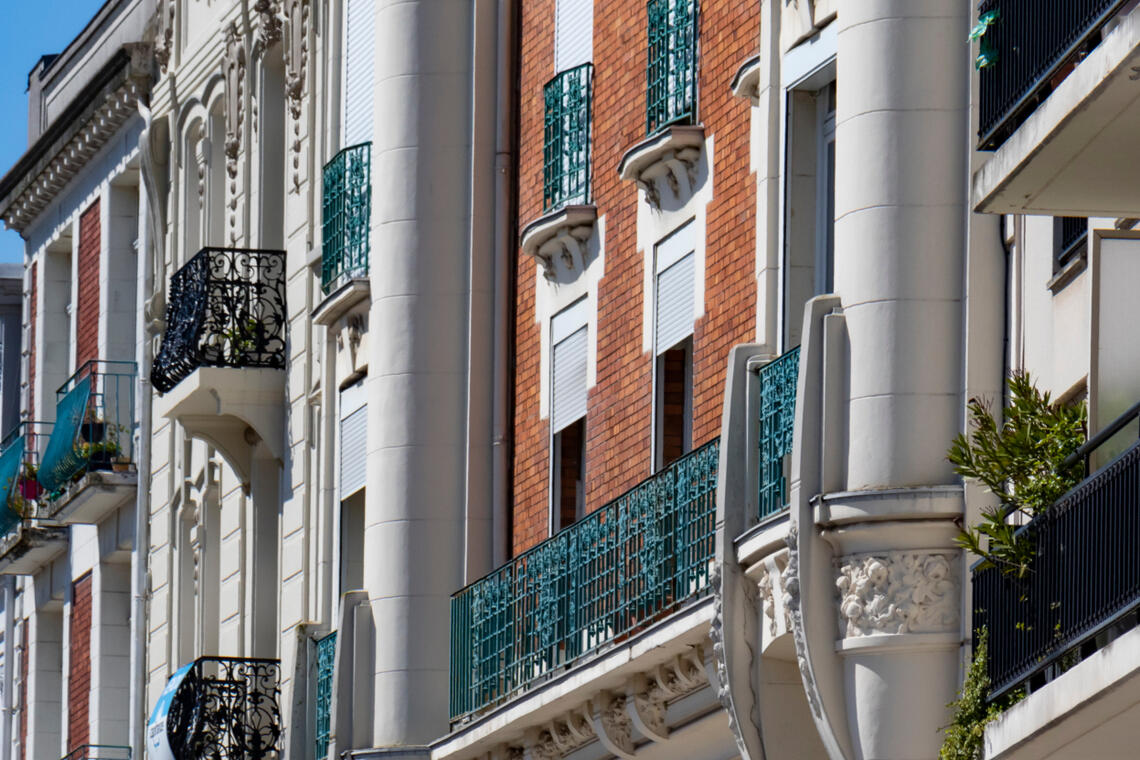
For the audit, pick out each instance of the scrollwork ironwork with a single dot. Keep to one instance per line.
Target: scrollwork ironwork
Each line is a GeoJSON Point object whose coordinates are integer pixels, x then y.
{"type": "Point", "coordinates": [227, 709]}
{"type": "Point", "coordinates": [226, 309]}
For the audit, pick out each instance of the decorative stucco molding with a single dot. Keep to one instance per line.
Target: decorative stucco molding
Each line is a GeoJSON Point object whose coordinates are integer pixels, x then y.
{"type": "Point", "coordinates": [571, 731]}
{"type": "Point", "coordinates": [297, 23]}
{"type": "Point", "coordinates": [777, 620]}
{"type": "Point", "coordinates": [558, 241]}
{"type": "Point", "coordinates": [720, 666]}
{"type": "Point", "coordinates": [669, 155]}
{"type": "Point", "coordinates": [268, 19]}
{"type": "Point", "coordinates": [233, 68]}
{"type": "Point", "coordinates": [164, 33]}
{"type": "Point", "coordinates": [898, 592]}
{"type": "Point", "coordinates": [613, 725]}
{"type": "Point", "coordinates": [791, 578]}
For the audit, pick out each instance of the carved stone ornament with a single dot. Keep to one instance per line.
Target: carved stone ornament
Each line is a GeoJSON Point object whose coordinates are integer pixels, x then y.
{"type": "Point", "coordinates": [164, 33]}
{"type": "Point", "coordinates": [898, 592]}
{"type": "Point", "coordinates": [665, 157]}
{"type": "Point", "coordinates": [297, 15]}
{"type": "Point", "coordinates": [776, 617]}
{"type": "Point", "coordinates": [233, 68]}
{"type": "Point", "coordinates": [650, 693]}
{"type": "Point", "coordinates": [559, 241]}
{"type": "Point", "coordinates": [268, 21]}
{"type": "Point", "coordinates": [571, 731]}
{"type": "Point", "coordinates": [613, 725]}
{"type": "Point", "coordinates": [791, 578]}
{"type": "Point", "coordinates": [720, 658]}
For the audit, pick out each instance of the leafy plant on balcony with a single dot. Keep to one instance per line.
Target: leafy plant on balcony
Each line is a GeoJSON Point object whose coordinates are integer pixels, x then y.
{"type": "Point", "coordinates": [987, 53]}
{"type": "Point", "coordinates": [965, 736]}
{"type": "Point", "coordinates": [1020, 461]}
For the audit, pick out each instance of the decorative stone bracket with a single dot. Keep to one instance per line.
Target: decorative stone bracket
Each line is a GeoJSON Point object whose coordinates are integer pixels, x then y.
{"type": "Point", "coordinates": [667, 156]}
{"type": "Point", "coordinates": [746, 82]}
{"type": "Point", "coordinates": [558, 240]}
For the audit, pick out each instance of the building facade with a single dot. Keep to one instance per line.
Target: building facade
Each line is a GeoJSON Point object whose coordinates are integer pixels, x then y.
{"type": "Point", "coordinates": [561, 378]}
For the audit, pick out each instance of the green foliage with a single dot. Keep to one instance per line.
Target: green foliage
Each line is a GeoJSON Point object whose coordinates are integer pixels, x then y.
{"type": "Point", "coordinates": [1020, 462]}
{"type": "Point", "coordinates": [965, 736]}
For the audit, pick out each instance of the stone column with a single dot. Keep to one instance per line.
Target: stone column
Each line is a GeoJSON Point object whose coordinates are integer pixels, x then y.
{"type": "Point", "coordinates": [414, 507]}
{"type": "Point", "coordinates": [902, 166]}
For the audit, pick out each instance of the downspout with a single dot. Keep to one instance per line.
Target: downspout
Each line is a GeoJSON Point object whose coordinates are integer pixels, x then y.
{"type": "Point", "coordinates": [506, 102]}
{"type": "Point", "coordinates": [7, 711]}
{"type": "Point", "coordinates": [150, 243]}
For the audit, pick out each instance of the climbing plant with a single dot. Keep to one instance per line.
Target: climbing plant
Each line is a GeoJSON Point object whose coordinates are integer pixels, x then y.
{"type": "Point", "coordinates": [965, 736]}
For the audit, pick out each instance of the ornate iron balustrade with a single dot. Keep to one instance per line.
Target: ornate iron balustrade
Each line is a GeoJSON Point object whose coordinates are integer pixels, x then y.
{"type": "Point", "coordinates": [227, 709]}
{"type": "Point", "coordinates": [1028, 44]}
{"type": "Point", "coordinates": [1084, 578]}
{"type": "Point", "coordinates": [99, 752]}
{"type": "Point", "coordinates": [20, 490]}
{"type": "Point", "coordinates": [226, 309]}
{"type": "Point", "coordinates": [94, 417]}
{"type": "Point", "coordinates": [777, 396]}
{"type": "Point", "coordinates": [566, 138]}
{"type": "Point", "coordinates": [620, 568]}
{"type": "Point", "coordinates": [326, 660]}
{"type": "Point", "coordinates": [346, 216]}
{"type": "Point", "coordinates": [671, 91]}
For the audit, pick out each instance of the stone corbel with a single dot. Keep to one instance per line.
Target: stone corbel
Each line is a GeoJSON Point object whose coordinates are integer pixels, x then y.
{"type": "Point", "coordinates": [571, 731]}
{"type": "Point", "coordinates": [646, 705]}
{"type": "Point", "coordinates": [746, 82]}
{"type": "Point", "coordinates": [613, 725]}
{"type": "Point", "coordinates": [666, 156]}
{"type": "Point", "coordinates": [558, 241]}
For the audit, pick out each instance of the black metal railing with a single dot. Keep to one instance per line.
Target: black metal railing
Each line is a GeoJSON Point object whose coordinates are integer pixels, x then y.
{"type": "Point", "coordinates": [226, 309]}
{"type": "Point", "coordinates": [1085, 575]}
{"type": "Point", "coordinates": [1069, 237]}
{"type": "Point", "coordinates": [1031, 44]}
{"type": "Point", "coordinates": [227, 709]}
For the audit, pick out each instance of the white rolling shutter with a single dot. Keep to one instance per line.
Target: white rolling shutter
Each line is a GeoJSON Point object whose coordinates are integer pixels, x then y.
{"type": "Point", "coordinates": [359, 41]}
{"type": "Point", "coordinates": [353, 439]}
{"type": "Point", "coordinates": [675, 297]}
{"type": "Point", "coordinates": [569, 337]}
{"type": "Point", "coordinates": [573, 33]}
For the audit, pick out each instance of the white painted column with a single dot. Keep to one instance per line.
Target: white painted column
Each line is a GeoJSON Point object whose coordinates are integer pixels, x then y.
{"type": "Point", "coordinates": [902, 166]}
{"type": "Point", "coordinates": [414, 512]}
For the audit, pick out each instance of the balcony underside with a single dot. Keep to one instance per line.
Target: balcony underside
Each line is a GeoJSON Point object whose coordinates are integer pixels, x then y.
{"type": "Point", "coordinates": [1091, 711]}
{"type": "Point", "coordinates": [1070, 157]}
{"type": "Point", "coordinates": [93, 497]}
{"type": "Point", "coordinates": [231, 408]}
{"type": "Point", "coordinates": [28, 548]}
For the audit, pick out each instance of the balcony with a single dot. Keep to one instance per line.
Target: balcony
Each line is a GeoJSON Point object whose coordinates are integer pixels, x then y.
{"type": "Point", "coordinates": [88, 466]}
{"type": "Point", "coordinates": [326, 661]}
{"type": "Point", "coordinates": [1066, 633]}
{"type": "Point", "coordinates": [1058, 107]}
{"type": "Point", "coordinates": [557, 239]}
{"type": "Point", "coordinates": [634, 562]}
{"type": "Point", "coordinates": [777, 417]}
{"type": "Point", "coordinates": [671, 71]}
{"type": "Point", "coordinates": [346, 217]}
{"type": "Point", "coordinates": [27, 542]}
{"type": "Point", "coordinates": [219, 366]}
{"type": "Point", "coordinates": [225, 708]}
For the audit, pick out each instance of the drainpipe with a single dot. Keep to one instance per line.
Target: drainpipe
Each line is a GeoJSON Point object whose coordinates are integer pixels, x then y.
{"type": "Point", "coordinates": [505, 66]}
{"type": "Point", "coordinates": [6, 710]}
{"type": "Point", "coordinates": [150, 235]}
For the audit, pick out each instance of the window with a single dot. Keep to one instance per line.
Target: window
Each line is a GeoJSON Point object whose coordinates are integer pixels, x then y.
{"type": "Point", "coordinates": [573, 34]}
{"type": "Point", "coordinates": [809, 237]}
{"type": "Point", "coordinates": [1070, 235]}
{"type": "Point", "coordinates": [353, 438]}
{"type": "Point", "coordinates": [675, 264]}
{"type": "Point", "coordinates": [570, 344]}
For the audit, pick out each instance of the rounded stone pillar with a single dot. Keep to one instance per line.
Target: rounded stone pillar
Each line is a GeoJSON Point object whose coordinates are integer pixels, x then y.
{"type": "Point", "coordinates": [902, 149]}
{"type": "Point", "coordinates": [414, 509]}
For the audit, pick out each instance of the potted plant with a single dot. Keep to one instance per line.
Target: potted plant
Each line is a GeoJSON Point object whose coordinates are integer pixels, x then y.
{"type": "Point", "coordinates": [28, 485]}
{"type": "Point", "coordinates": [100, 455]}
{"type": "Point", "coordinates": [121, 462]}
{"type": "Point", "coordinates": [94, 427]}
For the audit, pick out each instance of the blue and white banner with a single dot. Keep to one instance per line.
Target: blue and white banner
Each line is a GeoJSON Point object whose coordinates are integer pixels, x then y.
{"type": "Point", "coordinates": [157, 736]}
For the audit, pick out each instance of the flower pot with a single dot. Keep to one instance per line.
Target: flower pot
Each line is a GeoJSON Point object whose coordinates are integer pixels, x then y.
{"type": "Point", "coordinates": [121, 466]}
{"type": "Point", "coordinates": [99, 460]}
{"type": "Point", "coordinates": [30, 488]}
{"type": "Point", "coordinates": [93, 432]}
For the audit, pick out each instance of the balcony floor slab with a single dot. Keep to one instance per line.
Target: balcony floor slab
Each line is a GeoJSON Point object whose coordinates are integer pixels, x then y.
{"type": "Point", "coordinates": [1091, 710]}
{"type": "Point", "coordinates": [97, 494]}
{"type": "Point", "coordinates": [1069, 157]}
{"type": "Point", "coordinates": [28, 548]}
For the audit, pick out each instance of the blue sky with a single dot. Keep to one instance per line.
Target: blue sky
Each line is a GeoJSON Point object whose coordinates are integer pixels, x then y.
{"type": "Point", "coordinates": [29, 31]}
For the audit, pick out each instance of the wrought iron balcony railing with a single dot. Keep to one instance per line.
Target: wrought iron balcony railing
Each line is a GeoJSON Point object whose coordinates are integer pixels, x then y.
{"type": "Point", "coordinates": [99, 752]}
{"type": "Point", "coordinates": [1028, 45]}
{"type": "Point", "coordinates": [620, 568]}
{"type": "Point", "coordinates": [1085, 575]}
{"type": "Point", "coordinates": [346, 216]}
{"type": "Point", "coordinates": [326, 660]}
{"type": "Point", "coordinates": [226, 708]}
{"type": "Point", "coordinates": [226, 309]}
{"type": "Point", "coordinates": [566, 138]}
{"type": "Point", "coordinates": [671, 92]}
{"type": "Point", "coordinates": [777, 405]}
{"type": "Point", "coordinates": [20, 490]}
{"type": "Point", "coordinates": [94, 417]}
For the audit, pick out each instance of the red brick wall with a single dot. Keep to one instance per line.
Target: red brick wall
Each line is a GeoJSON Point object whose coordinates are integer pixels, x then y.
{"type": "Point", "coordinates": [618, 444]}
{"type": "Point", "coordinates": [32, 348]}
{"type": "Point", "coordinates": [87, 313]}
{"type": "Point", "coordinates": [24, 690]}
{"type": "Point", "coordinates": [79, 665]}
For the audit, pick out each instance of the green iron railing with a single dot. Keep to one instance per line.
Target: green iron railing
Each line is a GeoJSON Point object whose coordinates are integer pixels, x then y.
{"type": "Point", "coordinates": [326, 659]}
{"type": "Point", "coordinates": [566, 138]}
{"type": "Point", "coordinates": [614, 572]}
{"type": "Point", "coordinates": [777, 395]}
{"type": "Point", "coordinates": [94, 419]}
{"type": "Point", "coordinates": [20, 491]}
{"type": "Point", "coordinates": [671, 92]}
{"type": "Point", "coordinates": [346, 216]}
